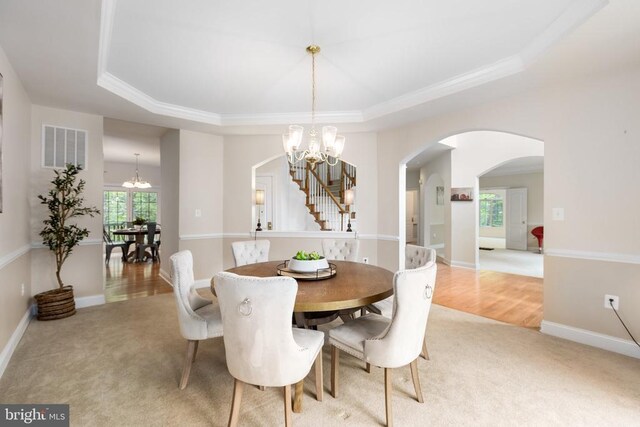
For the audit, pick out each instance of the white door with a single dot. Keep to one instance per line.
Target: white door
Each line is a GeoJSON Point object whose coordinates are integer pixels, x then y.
{"type": "Point", "coordinates": [412, 216]}
{"type": "Point", "coordinates": [265, 212]}
{"type": "Point", "coordinates": [516, 219]}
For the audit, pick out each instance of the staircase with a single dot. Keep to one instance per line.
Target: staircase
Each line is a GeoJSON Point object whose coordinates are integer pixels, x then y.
{"type": "Point", "coordinates": [324, 187]}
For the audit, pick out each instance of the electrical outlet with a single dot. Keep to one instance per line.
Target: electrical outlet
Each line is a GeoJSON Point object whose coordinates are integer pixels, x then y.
{"type": "Point", "coordinates": [198, 213]}
{"type": "Point", "coordinates": [365, 260]}
{"type": "Point", "coordinates": [22, 290]}
{"type": "Point", "coordinates": [616, 301]}
{"type": "Point", "coordinates": [557, 214]}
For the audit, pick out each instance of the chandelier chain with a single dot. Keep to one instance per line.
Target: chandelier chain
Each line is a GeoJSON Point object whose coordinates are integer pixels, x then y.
{"type": "Point", "coordinates": [313, 88]}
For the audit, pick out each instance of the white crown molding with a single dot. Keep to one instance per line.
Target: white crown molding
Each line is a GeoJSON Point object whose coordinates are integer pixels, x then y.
{"type": "Point", "coordinates": [594, 339]}
{"type": "Point", "coordinates": [12, 256]}
{"type": "Point", "coordinates": [577, 13]}
{"type": "Point", "coordinates": [593, 256]}
{"type": "Point", "coordinates": [15, 338]}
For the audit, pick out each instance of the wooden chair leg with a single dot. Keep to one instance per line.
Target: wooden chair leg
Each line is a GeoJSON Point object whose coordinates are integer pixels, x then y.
{"type": "Point", "coordinates": [387, 396]}
{"type": "Point", "coordinates": [235, 403]}
{"type": "Point", "coordinates": [297, 398]}
{"type": "Point", "coordinates": [425, 352]}
{"type": "Point", "coordinates": [335, 362]}
{"type": "Point", "coordinates": [186, 370]}
{"type": "Point", "coordinates": [195, 351]}
{"type": "Point", "coordinates": [108, 254]}
{"type": "Point", "coordinates": [287, 405]}
{"type": "Point", "coordinates": [368, 368]}
{"type": "Point", "coordinates": [416, 380]}
{"type": "Point", "coordinates": [319, 380]}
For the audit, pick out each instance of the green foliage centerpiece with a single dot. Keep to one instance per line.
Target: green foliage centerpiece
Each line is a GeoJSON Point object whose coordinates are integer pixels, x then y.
{"type": "Point", "coordinates": [64, 202]}
{"type": "Point", "coordinates": [304, 262]}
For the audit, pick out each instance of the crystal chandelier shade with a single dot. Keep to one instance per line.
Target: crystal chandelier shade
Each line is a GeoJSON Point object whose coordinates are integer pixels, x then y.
{"type": "Point", "coordinates": [136, 182]}
{"type": "Point", "coordinates": [326, 147]}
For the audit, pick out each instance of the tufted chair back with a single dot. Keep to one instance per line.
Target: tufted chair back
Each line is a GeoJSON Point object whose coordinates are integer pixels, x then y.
{"type": "Point", "coordinates": [417, 256]}
{"type": "Point", "coordinates": [341, 249]}
{"type": "Point", "coordinates": [401, 342]}
{"type": "Point", "coordinates": [250, 251]}
{"type": "Point", "coordinates": [192, 325]}
{"type": "Point", "coordinates": [258, 339]}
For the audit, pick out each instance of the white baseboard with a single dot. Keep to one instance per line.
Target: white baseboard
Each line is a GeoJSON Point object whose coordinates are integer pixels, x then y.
{"type": "Point", "coordinates": [165, 276]}
{"type": "Point", "coordinates": [594, 339]}
{"type": "Point", "coordinates": [15, 338]}
{"type": "Point", "coordinates": [89, 301]}
{"type": "Point", "coordinates": [463, 265]}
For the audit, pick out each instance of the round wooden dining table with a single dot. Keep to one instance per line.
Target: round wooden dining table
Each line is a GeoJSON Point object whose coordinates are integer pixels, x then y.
{"type": "Point", "coordinates": [354, 285]}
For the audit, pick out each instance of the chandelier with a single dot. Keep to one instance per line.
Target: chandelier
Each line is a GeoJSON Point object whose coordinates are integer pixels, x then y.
{"type": "Point", "coordinates": [136, 182]}
{"type": "Point", "coordinates": [332, 144]}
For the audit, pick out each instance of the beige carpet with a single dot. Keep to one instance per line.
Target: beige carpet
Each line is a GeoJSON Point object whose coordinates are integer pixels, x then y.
{"type": "Point", "coordinates": [119, 365]}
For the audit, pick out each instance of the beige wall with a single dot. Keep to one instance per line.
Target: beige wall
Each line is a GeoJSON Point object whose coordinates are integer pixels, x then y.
{"type": "Point", "coordinates": [14, 219]}
{"type": "Point", "coordinates": [586, 126]}
{"type": "Point", "coordinates": [169, 203]}
{"type": "Point", "coordinates": [201, 184]}
{"type": "Point", "coordinates": [83, 269]}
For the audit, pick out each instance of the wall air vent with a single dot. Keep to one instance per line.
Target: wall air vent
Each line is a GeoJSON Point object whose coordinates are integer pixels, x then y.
{"type": "Point", "coordinates": [62, 145]}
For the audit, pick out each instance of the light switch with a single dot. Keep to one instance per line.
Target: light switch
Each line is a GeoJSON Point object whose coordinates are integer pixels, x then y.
{"type": "Point", "coordinates": [198, 213]}
{"type": "Point", "coordinates": [557, 214]}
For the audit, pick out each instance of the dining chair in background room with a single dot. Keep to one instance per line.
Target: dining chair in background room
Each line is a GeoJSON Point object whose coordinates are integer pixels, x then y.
{"type": "Point", "coordinates": [198, 317]}
{"type": "Point", "coordinates": [261, 346]}
{"type": "Point", "coordinates": [250, 251]}
{"type": "Point", "coordinates": [414, 257]}
{"type": "Point", "coordinates": [341, 249]}
{"type": "Point", "coordinates": [150, 243]}
{"type": "Point", "coordinates": [110, 245]}
{"type": "Point", "coordinates": [389, 343]}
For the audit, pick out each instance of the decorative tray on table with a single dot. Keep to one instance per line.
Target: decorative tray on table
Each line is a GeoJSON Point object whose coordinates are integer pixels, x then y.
{"type": "Point", "coordinates": [319, 274]}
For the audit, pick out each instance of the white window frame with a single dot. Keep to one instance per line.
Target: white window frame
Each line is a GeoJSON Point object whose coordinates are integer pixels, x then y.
{"type": "Point", "coordinates": [130, 192]}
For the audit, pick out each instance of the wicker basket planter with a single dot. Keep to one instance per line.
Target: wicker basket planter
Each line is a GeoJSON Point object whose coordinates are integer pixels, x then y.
{"type": "Point", "coordinates": [56, 304]}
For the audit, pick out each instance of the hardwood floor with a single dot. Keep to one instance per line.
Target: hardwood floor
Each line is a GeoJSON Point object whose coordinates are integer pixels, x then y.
{"type": "Point", "coordinates": [501, 296]}
{"type": "Point", "coordinates": [125, 281]}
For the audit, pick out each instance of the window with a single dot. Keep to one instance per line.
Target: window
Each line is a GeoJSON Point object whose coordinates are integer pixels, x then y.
{"type": "Point", "coordinates": [145, 205]}
{"type": "Point", "coordinates": [121, 206]}
{"type": "Point", "coordinates": [491, 210]}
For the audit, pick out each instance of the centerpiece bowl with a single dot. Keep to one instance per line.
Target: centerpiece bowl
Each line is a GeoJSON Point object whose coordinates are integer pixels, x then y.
{"type": "Point", "coordinates": [307, 266]}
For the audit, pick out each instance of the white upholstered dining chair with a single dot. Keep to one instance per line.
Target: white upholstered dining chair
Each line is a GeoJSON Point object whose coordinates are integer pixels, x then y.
{"type": "Point", "coordinates": [341, 249]}
{"type": "Point", "coordinates": [250, 251]}
{"type": "Point", "coordinates": [414, 257]}
{"type": "Point", "coordinates": [261, 346]}
{"type": "Point", "coordinates": [199, 319]}
{"type": "Point", "coordinates": [389, 343]}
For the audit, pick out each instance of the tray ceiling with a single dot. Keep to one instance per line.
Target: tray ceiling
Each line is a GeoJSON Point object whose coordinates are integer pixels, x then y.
{"type": "Point", "coordinates": [244, 62]}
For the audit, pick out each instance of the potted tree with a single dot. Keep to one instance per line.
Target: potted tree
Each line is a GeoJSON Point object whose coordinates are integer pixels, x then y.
{"type": "Point", "coordinates": [65, 203]}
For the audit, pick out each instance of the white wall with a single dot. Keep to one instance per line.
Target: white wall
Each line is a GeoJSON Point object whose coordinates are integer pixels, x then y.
{"type": "Point", "coordinates": [116, 173]}
{"type": "Point", "coordinates": [534, 183]}
{"type": "Point", "coordinates": [169, 203]}
{"type": "Point", "coordinates": [289, 202]}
